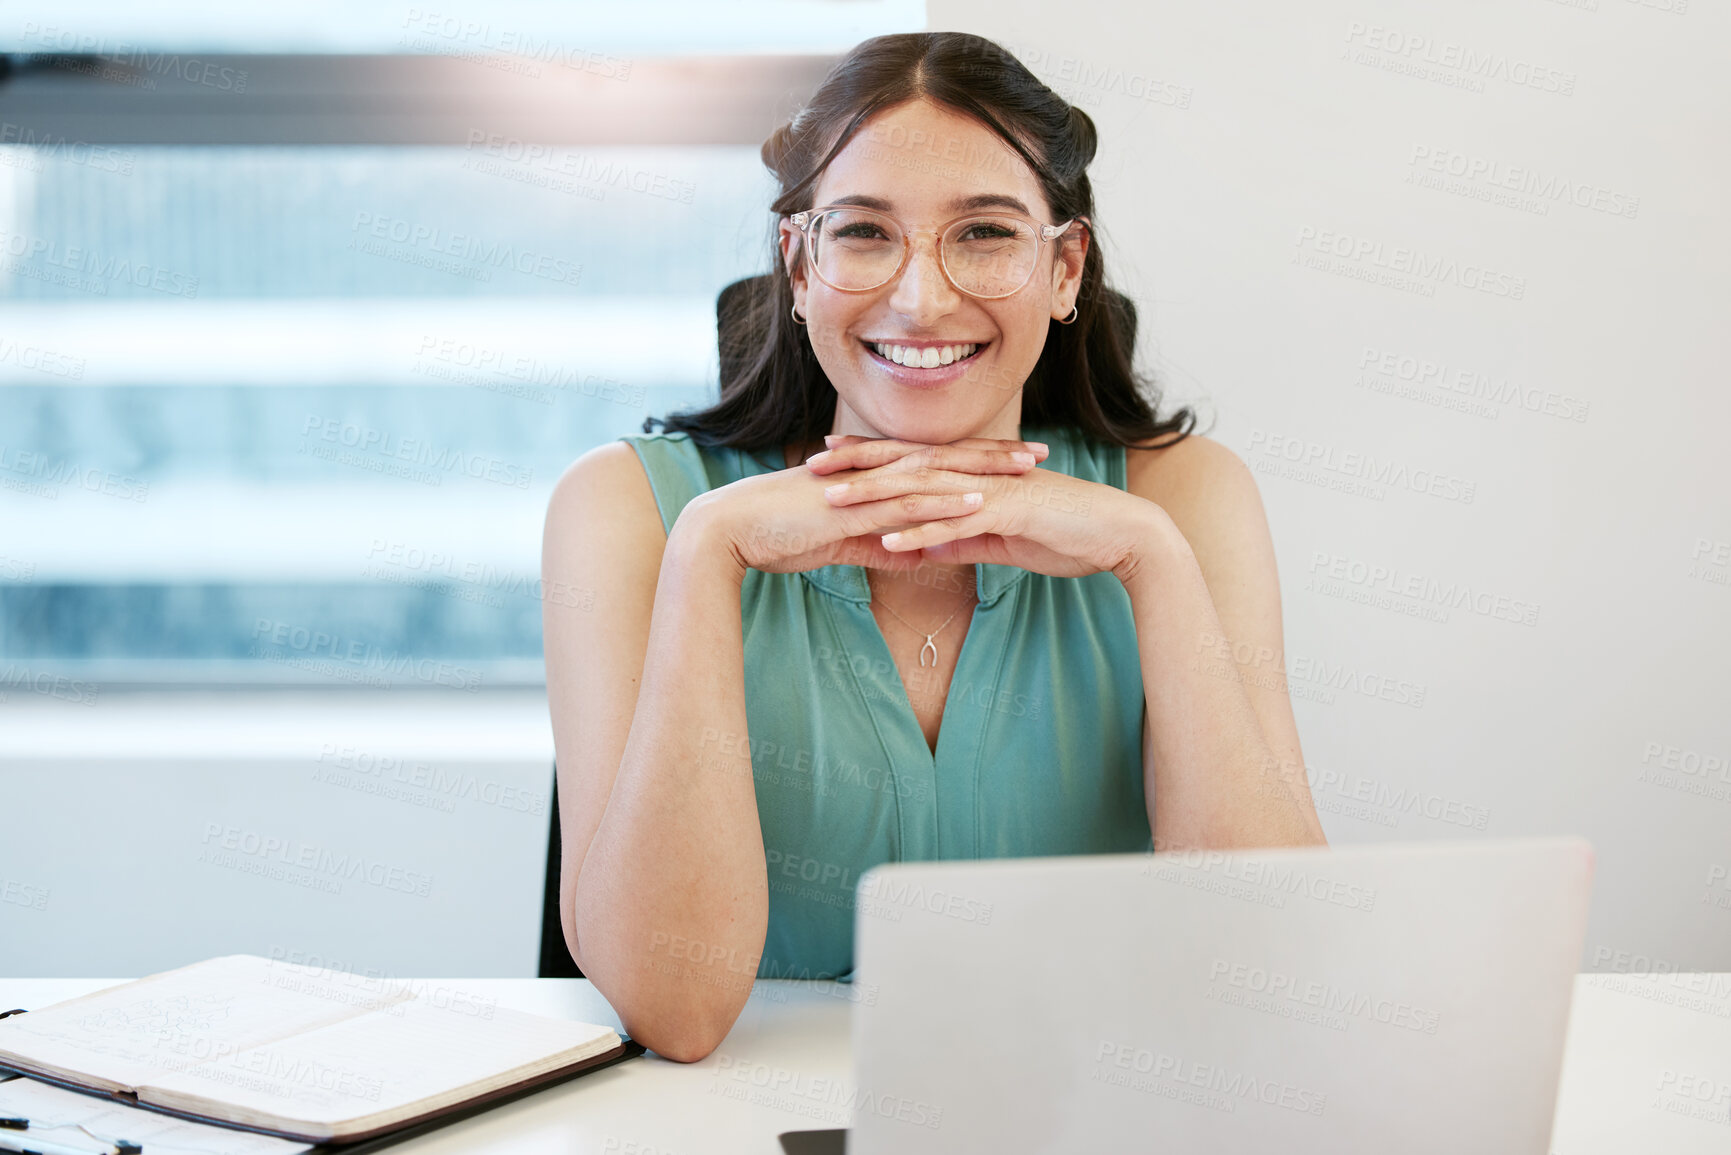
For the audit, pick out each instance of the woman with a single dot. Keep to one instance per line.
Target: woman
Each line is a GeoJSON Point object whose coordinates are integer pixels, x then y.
{"type": "Point", "coordinates": [990, 619]}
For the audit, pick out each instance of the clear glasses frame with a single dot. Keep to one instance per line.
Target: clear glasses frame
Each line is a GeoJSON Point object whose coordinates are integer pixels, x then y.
{"type": "Point", "coordinates": [1044, 234]}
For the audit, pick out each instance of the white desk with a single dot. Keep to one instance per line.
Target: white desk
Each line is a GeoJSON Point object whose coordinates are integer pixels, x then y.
{"type": "Point", "coordinates": [1633, 1041]}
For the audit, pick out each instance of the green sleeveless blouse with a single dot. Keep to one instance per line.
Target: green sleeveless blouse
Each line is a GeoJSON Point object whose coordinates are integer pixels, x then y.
{"type": "Point", "coordinates": [1039, 751]}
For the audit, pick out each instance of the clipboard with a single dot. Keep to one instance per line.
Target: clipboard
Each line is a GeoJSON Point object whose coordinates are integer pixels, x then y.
{"type": "Point", "coordinates": [376, 1140]}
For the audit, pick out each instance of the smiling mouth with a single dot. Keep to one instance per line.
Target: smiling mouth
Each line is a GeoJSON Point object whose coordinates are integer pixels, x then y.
{"type": "Point", "coordinates": [930, 357]}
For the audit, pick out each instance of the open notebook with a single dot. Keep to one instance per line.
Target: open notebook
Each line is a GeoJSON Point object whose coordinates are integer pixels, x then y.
{"type": "Point", "coordinates": [309, 1054]}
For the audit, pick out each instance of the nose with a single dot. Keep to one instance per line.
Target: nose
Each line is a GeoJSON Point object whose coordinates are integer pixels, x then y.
{"type": "Point", "coordinates": [922, 292]}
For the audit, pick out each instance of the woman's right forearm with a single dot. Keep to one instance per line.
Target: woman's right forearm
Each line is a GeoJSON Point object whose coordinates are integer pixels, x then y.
{"type": "Point", "coordinates": [672, 899]}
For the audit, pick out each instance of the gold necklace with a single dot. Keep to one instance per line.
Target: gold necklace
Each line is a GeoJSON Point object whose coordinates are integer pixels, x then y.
{"type": "Point", "coordinates": [930, 644]}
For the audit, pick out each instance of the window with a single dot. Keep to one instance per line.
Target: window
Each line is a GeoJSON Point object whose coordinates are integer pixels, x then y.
{"type": "Point", "coordinates": [293, 347]}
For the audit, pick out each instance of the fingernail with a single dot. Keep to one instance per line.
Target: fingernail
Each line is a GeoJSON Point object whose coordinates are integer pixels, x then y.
{"type": "Point", "coordinates": [836, 490]}
{"type": "Point", "coordinates": [1022, 458]}
{"type": "Point", "coordinates": [817, 455]}
{"type": "Point", "coordinates": [973, 498]}
{"type": "Point", "coordinates": [890, 539]}
{"type": "Point", "coordinates": [831, 438]}
{"type": "Point", "coordinates": [1038, 446]}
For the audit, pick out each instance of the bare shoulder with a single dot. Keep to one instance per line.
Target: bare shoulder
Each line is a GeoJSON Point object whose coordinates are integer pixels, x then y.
{"type": "Point", "coordinates": [606, 488]}
{"type": "Point", "coordinates": [1206, 489]}
{"type": "Point", "coordinates": [602, 538]}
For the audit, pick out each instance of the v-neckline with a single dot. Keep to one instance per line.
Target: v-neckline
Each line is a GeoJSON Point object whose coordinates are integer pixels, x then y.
{"type": "Point", "coordinates": [849, 583]}
{"type": "Point", "coordinates": [903, 698]}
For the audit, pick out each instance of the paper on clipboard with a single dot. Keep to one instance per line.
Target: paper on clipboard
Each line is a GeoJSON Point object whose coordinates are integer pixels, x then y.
{"type": "Point", "coordinates": [55, 1115]}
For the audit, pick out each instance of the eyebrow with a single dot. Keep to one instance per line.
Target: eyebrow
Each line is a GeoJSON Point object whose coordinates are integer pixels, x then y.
{"type": "Point", "coordinates": [960, 204]}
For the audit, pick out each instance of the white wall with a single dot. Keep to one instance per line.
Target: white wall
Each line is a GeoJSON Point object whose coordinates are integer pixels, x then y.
{"type": "Point", "coordinates": [1239, 141]}
{"type": "Point", "coordinates": [402, 833]}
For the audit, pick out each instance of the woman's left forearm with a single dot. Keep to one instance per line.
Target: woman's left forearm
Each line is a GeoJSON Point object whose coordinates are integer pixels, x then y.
{"type": "Point", "coordinates": [1209, 774]}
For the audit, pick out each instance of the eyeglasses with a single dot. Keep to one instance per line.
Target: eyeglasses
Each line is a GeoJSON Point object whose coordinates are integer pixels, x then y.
{"type": "Point", "coordinates": [986, 255]}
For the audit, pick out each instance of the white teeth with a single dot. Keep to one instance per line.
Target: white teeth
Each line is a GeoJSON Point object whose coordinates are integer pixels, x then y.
{"type": "Point", "coordinates": [928, 358]}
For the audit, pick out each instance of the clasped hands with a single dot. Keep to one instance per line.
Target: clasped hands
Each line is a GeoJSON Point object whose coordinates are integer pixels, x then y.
{"type": "Point", "coordinates": [980, 499]}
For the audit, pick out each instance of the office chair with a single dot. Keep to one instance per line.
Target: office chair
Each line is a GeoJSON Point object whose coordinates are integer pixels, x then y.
{"type": "Point", "coordinates": [733, 308]}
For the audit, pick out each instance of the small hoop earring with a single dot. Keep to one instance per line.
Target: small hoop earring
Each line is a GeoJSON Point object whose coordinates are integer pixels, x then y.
{"type": "Point", "coordinates": [1075, 311]}
{"type": "Point", "coordinates": [797, 319]}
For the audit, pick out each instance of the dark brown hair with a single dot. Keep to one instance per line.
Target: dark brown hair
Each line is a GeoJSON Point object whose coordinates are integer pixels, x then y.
{"type": "Point", "coordinates": [773, 389]}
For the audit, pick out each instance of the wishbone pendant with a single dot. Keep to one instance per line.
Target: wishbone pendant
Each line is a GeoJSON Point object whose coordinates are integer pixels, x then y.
{"type": "Point", "coordinates": [932, 646]}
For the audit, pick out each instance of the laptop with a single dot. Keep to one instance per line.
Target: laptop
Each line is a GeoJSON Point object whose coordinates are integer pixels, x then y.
{"type": "Point", "coordinates": [1410, 997]}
